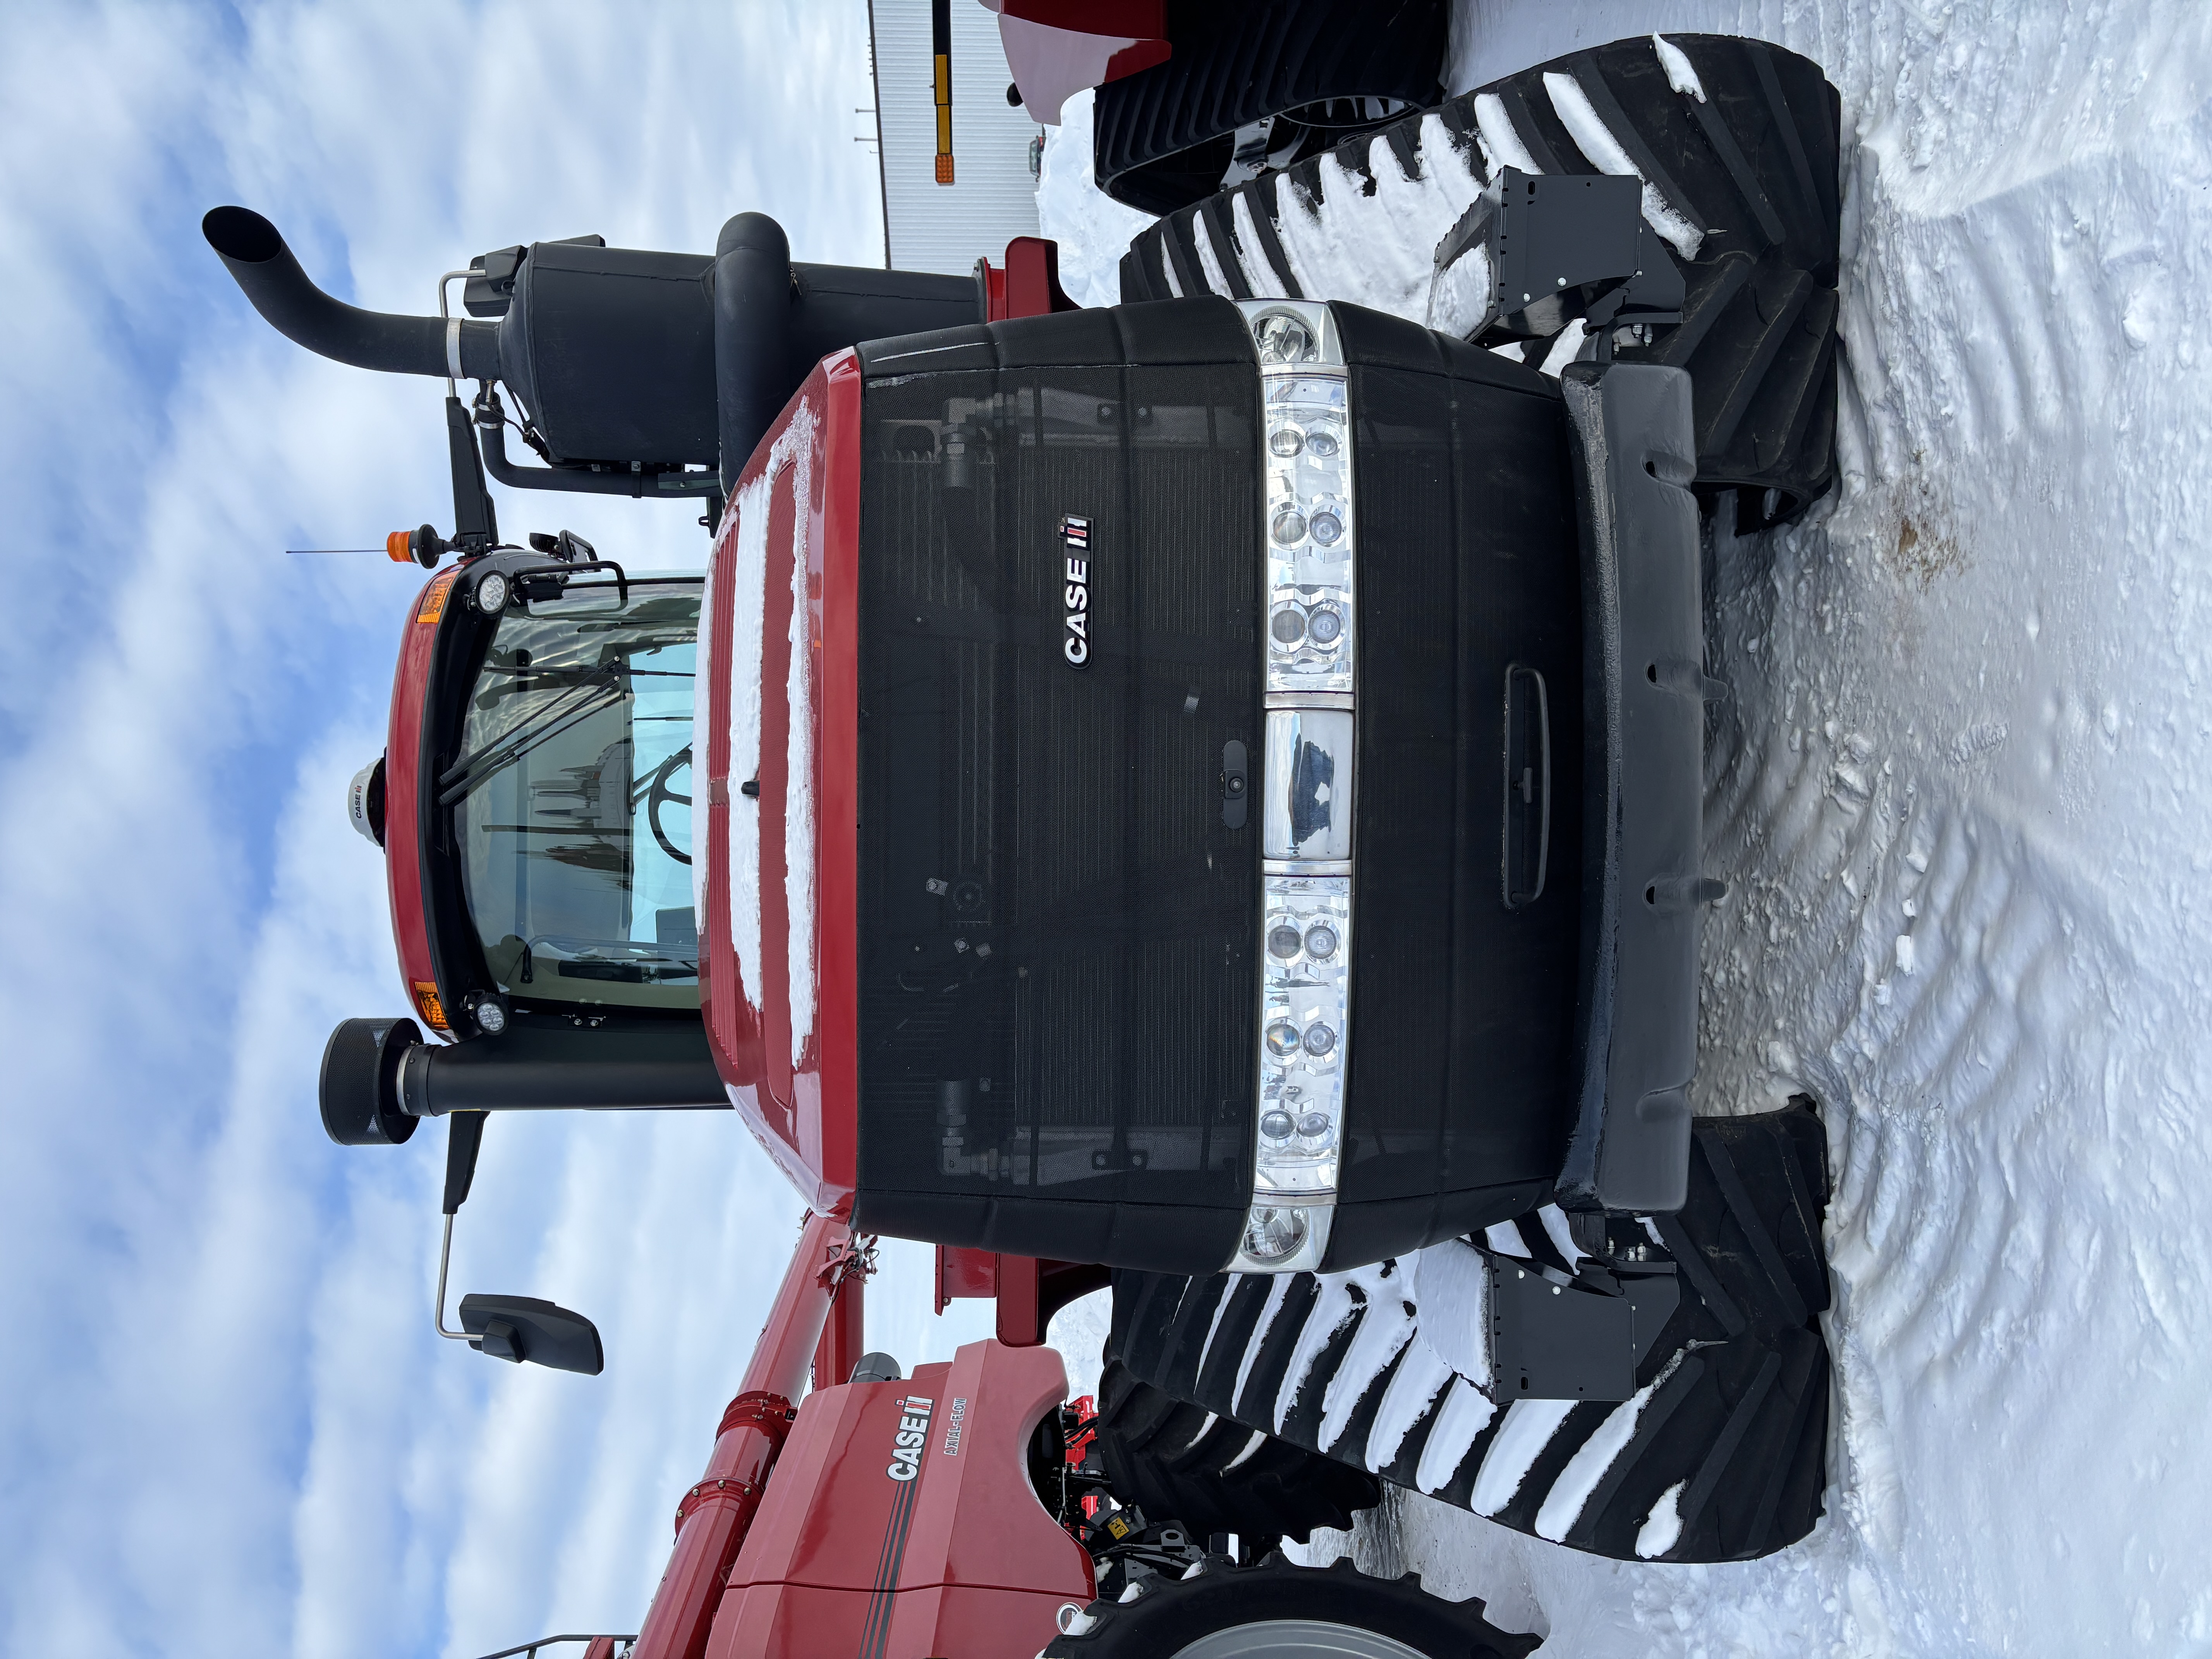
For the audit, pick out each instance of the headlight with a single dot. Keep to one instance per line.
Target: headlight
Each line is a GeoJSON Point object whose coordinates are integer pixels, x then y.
{"type": "Point", "coordinates": [1309, 553]}
{"type": "Point", "coordinates": [486, 1010]}
{"type": "Point", "coordinates": [1301, 1044]}
{"type": "Point", "coordinates": [1310, 544]}
{"type": "Point", "coordinates": [1283, 337]}
{"type": "Point", "coordinates": [490, 595]}
{"type": "Point", "coordinates": [1273, 1235]}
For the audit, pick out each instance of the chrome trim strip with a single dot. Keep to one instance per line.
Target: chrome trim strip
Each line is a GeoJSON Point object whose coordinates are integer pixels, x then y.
{"type": "Point", "coordinates": [1305, 999]}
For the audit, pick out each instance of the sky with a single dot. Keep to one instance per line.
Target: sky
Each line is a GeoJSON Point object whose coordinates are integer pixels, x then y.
{"type": "Point", "coordinates": [228, 1427]}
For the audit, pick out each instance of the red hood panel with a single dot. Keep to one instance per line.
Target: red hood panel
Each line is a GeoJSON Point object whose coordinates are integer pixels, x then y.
{"type": "Point", "coordinates": [777, 893]}
{"type": "Point", "coordinates": [904, 1511]}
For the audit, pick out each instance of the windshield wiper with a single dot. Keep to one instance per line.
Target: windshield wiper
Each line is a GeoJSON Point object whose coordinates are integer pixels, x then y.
{"type": "Point", "coordinates": [599, 690]}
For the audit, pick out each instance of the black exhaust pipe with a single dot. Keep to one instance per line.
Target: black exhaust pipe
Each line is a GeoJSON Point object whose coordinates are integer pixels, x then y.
{"type": "Point", "coordinates": [253, 251]}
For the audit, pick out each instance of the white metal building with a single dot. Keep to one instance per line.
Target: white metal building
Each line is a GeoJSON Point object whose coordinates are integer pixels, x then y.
{"type": "Point", "coordinates": [947, 228]}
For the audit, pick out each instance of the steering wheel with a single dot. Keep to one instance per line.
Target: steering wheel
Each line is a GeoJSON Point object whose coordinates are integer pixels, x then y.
{"type": "Point", "coordinates": [659, 792]}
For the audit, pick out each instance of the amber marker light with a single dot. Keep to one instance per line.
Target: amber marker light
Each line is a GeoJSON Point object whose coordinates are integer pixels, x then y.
{"type": "Point", "coordinates": [428, 1004]}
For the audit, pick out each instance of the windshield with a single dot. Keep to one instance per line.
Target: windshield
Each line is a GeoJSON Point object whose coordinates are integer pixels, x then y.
{"type": "Point", "coordinates": [572, 798]}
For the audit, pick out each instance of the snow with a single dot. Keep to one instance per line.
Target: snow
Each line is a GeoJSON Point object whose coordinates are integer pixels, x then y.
{"type": "Point", "coordinates": [1451, 1287]}
{"type": "Point", "coordinates": [1413, 1387]}
{"type": "Point", "coordinates": [1592, 136]}
{"type": "Point", "coordinates": [1387, 1328]}
{"type": "Point", "coordinates": [1663, 1526]}
{"type": "Point", "coordinates": [749, 572]}
{"type": "Point", "coordinates": [1339, 1294]}
{"type": "Point", "coordinates": [1527, 1430]}
{"type": "Point", "coordinates": [1466, 1414]}
{"type": "Point", "coordinates": [1681, 74]}
{"type": "Point", "coordinates": [797, 444]}
{"type": "Point", "coordinates": [1959, 796]}
{"type": "Point", "coordinates": [1506, 1239]}
{"type": "Point", "coordinates": [1384, 245]}
{"type": "Point", "coordinates": [1563, 1505]}
{"type": "Point", "coordinates": [747, 567]}
{"type": "Point", "coordinates": [1501, 145]}
{"type": "Point", "coordinates": [1278, 1293]}
{"type": "Point", "coordinates": [1092, 228]}
{"type": "Point", "coordinates": [1555, 1228]}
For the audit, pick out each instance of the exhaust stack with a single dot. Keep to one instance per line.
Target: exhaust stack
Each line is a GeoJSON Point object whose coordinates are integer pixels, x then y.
{"type": "Point", "coordinates": [255, 255]}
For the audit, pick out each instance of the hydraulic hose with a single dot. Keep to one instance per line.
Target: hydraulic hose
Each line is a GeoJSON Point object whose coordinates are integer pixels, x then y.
{"type": "Point", "coordinates": [255, 255]}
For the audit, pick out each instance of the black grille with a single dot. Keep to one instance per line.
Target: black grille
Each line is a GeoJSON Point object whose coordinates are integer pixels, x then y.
{"type": "Point", "coordinates": [1463, 1011]}
{"type": "Point", "coordinates": [1058, 989]}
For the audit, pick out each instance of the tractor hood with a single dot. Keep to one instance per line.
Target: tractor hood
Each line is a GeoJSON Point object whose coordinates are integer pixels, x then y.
{"type": "Point", "coordinates": [775, 892]}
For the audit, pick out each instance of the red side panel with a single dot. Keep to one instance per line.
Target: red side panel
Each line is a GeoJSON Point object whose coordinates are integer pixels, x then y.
{"type": "Point", "coordinates": [402, 760]}
{"type": "Point", "coordinates": [862, 1544]}
{"type": "Point", "coordinates": [965, 1272]}
{"type": "Point", "coordinates": [1143, 17]}
{"type": "Point", "coordinates": [1057, 48]}
{"type": "Point", "coordinates": [778, 893]}
{"type": "Point", "coordinates": [1028, 284]}
{"type": "Point", "coordinates": [789, 1621]}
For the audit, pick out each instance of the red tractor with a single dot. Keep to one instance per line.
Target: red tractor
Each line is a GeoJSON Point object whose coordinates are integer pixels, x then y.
{"type": "Point", "coordinates": [1201, 797]}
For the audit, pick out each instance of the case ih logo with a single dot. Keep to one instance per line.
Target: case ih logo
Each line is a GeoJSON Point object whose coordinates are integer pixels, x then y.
{"type": "Point", "coordinates": [1075, 536]}
{"type": "Point", "coordinates": [912, 1435]}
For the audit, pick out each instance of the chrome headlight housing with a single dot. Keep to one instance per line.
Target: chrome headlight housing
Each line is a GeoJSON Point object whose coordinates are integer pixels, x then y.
{"type": "Point", "coordinates": [1308, 545]}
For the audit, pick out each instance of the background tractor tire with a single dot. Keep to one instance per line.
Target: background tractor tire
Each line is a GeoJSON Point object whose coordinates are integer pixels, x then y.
{"type": "Point", "coordinates": [1180, 1461]}
{"type": "Point", "coordinates": [1721, 1457]}
{"type": "Point", "coordinates": [1224, 1612]}
{"type": "Point", "coordinates": [1744, 161]}
{"type": "Point", "coordinates": [1164, 137]}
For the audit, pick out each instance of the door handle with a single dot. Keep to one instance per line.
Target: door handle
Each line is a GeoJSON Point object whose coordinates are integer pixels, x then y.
{"type": "Point", "coordinates": [1527, 827]}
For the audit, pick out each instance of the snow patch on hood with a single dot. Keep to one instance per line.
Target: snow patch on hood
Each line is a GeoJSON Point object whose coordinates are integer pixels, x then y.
{"type": "Point", "coordinates": [798, 755]}
{"type": "Point", "coordinates": [748, 576]}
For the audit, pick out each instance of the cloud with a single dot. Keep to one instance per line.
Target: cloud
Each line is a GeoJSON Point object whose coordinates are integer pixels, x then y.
{"type": "Point", "coordinates": [229, 1427]}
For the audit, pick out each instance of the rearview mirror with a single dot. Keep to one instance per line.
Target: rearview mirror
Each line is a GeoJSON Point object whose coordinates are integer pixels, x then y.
{"type": "Point", "coordinates": [519, 1327]}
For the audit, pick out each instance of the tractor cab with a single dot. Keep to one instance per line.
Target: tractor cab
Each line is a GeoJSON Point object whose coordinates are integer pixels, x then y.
{"type": "Point", "coordinates": [567, 808]}
{"type": "Point", "coordinates": [534, 800]}
{"type": "Point", "coordinates": [534, 807]}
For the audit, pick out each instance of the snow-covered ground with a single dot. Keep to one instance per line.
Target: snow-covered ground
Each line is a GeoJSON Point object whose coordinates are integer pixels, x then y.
{"type": "Point", "coordinates": [1963, 800]}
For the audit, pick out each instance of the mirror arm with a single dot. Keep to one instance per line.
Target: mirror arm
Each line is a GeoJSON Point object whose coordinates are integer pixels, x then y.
{"type": "Point", "coordinates": [463, 1140]}
{"type": "Point", "coordinates": [438, 1316]}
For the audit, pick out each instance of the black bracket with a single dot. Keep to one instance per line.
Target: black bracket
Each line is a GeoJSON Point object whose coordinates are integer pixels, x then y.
{"type": "Point", "coordinates": [636, 481]}
{"type": "Point", "coordinates": [1554, 1337]}
{"type": "Point", "coordinates": [475, 525]}
{"type": "Point", "coordinates": [1563, 246]}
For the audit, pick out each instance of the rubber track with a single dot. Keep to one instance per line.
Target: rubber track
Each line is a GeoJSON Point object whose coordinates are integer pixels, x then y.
{"type": "Point", "coordinates": [1165, 1615]}
{"type": "Point", "coordinates": [1753, 165]}
{"type": "Point", "coordinates": [1162, 137]}
{"type": "Point", "coordinates": [1180, 1461]}
{"type": "Point", "coordinates": [1735, 1420]}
